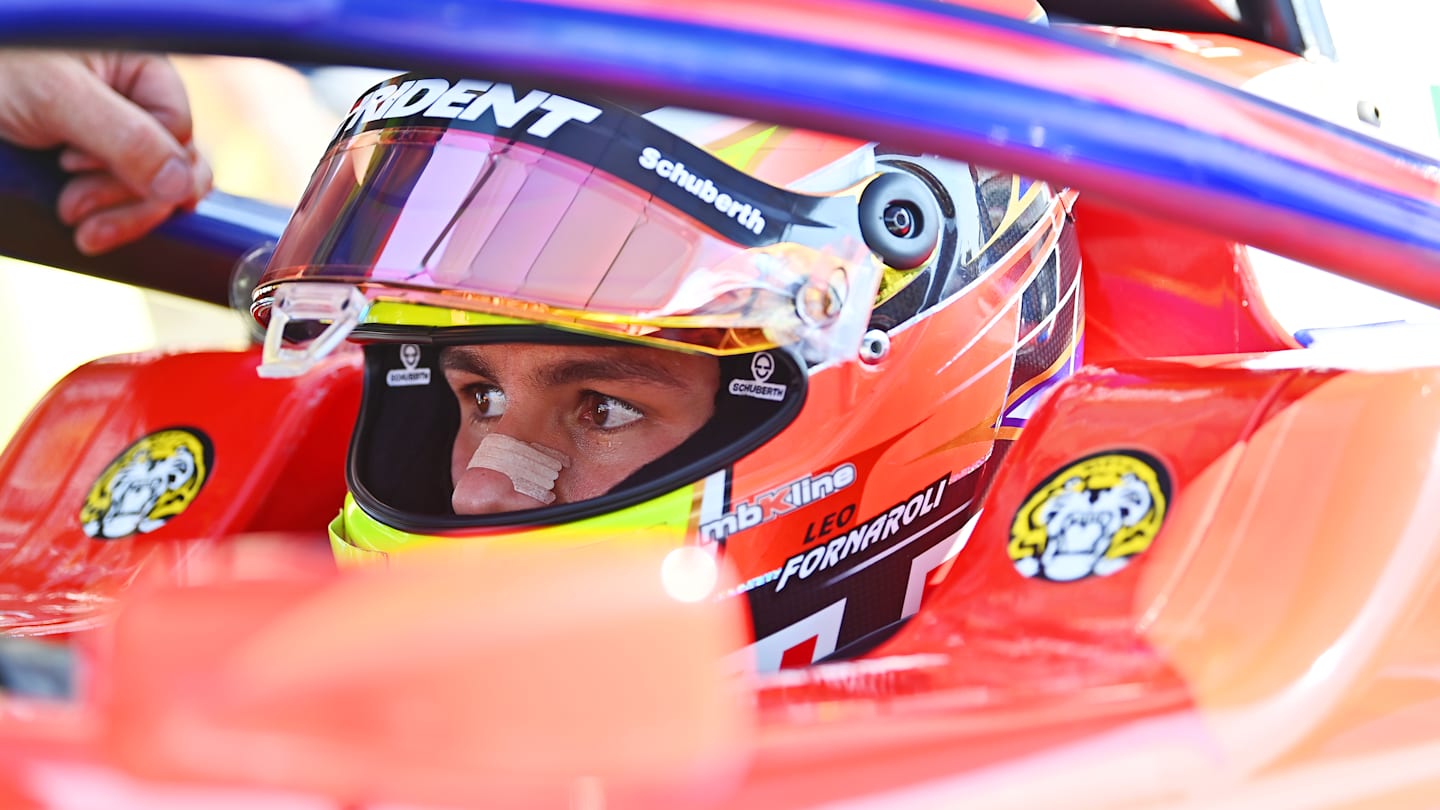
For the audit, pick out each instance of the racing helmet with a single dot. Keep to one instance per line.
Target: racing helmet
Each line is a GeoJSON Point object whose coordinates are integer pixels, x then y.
{"type": "Point", "coordinates": [583, 322]}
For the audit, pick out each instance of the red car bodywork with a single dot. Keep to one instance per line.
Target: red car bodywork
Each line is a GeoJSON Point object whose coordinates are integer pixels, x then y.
{"type": "Point", "coordinates": [1273, 644]}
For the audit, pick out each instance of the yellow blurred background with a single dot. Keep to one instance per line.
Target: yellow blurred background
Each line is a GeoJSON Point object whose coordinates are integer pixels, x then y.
{"type": "Point", "coordinates": [263, 127]}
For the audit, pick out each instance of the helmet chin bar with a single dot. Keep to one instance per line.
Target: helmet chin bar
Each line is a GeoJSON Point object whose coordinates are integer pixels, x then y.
{"type": "Point", "coordinates": [340, 307]}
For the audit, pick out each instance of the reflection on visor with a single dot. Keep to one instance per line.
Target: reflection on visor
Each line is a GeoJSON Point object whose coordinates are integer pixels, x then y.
{"type": "Point", "coordinates": [472, 221]}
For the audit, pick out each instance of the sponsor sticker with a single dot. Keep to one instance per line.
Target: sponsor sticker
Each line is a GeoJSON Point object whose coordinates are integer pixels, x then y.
{"type": "Point", "coordinates": [866, 540]}
{"type": "Point", "coordinates": [153, 480]}
{"type": "Point", "coordinates": [784, 500]}
{"type": "Point", "coordinates": [409, 375]}
{"type": "Point", "coordinates": [761, 367]}
{"type": "Point", "coordinates": [1090, 518]}
{"type": "Point", "coordinates": [468, 100]}
{"type": "Point", "coordinates": [747, 215]}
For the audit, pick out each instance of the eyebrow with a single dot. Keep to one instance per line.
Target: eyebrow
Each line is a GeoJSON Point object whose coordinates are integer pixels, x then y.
{"type": "Point", "coordinates": [570, 372]}
{"type": "Point", "coordinates": [457, 359]}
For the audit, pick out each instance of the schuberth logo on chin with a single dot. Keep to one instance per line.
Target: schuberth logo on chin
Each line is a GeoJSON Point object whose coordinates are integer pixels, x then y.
{"type": "Point", "coordinates": [152, 481]}
{"type": "Point", "coordinates": [1090, 518]}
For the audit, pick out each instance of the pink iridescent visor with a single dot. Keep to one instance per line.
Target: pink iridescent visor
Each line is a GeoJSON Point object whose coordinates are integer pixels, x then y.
{"type": "Point", "coordinates": [668, 245]}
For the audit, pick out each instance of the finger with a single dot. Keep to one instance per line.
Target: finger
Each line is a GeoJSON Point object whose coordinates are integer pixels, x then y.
{"type": "Point", "coordinates": [112, 227]}
{"type": "Point", "coordinates": [75, 161]}
{"type": "Point", "coordinates": [127, 139]}
{"type": "Point", "coordinates": [204, 177]}
{"type": "Point", "coordinates": [89, 193]}
{"type": "Point", "coordinates": [152, 82]}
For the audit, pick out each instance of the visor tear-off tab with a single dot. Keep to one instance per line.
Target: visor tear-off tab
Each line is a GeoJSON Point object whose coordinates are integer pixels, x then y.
{"type": "Point", "coordinates": [340, 307]}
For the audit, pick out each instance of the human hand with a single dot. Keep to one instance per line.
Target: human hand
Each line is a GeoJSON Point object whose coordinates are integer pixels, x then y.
{"type": "Point", "coordinates": [122, 121]}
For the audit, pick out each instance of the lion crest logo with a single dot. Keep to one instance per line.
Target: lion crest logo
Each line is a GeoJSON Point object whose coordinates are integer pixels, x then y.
{"type": "Point", "coordinates": [1090, 518]}
{"type": "Point", "coordinates": [153, 480]}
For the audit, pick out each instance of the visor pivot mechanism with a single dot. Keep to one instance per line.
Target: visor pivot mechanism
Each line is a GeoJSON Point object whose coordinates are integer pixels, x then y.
{"type": "Point", "coordinates": [243, 281]}
{"type": "Point", "coordinates": [819, 303]}
{"type": "Point", "coordinates": [899, 220]}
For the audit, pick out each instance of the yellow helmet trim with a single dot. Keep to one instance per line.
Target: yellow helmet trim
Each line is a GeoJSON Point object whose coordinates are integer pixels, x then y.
{"type": "Point", "coordinates": [401, 313]}
{"type": "Point", "coordinates": [356, 537]}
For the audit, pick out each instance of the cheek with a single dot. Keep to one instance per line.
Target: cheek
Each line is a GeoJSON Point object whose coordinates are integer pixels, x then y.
{"type": "Point", "coordinates": [585, 480]}
{"type": "Point", "coordinates": [696, 416]}
{"type": "Point", "coordinates": [595, 469]}
{"type": "Point", "coordinates": [608, 461]}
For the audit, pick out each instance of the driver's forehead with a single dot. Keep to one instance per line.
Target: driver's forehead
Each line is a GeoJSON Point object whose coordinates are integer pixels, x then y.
{"type": "Point", "coordinates": [560, 365]}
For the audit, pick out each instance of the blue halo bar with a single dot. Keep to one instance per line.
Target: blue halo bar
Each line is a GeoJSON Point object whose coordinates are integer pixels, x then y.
{"type": "Point", "coordinates": [1260, 196]}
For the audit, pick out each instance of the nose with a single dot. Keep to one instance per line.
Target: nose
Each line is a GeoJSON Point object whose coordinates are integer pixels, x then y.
{"type": "Point", "coordinates": [482, 491]}
{"type": "Point", "coordinates": [511, 469]}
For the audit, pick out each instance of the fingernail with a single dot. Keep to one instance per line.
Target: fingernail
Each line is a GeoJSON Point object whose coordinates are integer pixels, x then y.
{"type": "Point", "coordinates": [78, 209]}
{"type": "Point", "coordinates": [172, 183]}
{"type": "Point", "coordinates": [95, 238]}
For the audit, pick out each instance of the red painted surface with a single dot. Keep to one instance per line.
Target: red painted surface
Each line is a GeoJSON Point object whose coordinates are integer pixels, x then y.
{"type": "Point", "coordinates": [1154, 289]}
{"type": "Point", "coordinates": [995, 667]}
{"type": "Point", "coordinates": [279, 449]}
{"type": "Point", "coordinates": [1228, 59]}
{"type": "Point", "coordinates": [1279, 630]}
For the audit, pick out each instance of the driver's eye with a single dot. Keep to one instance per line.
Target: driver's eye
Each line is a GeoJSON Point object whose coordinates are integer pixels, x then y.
{"type": "Point", "coordinates": [610, 413]}
{"type": "Point", "coordinates": [489, 401]}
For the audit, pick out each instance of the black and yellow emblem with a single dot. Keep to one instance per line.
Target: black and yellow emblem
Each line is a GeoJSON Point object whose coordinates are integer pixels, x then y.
{"type": "Point", "coordinates": [1091, 517]}
{"type": "Point", "coordinates": [153, 480]}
